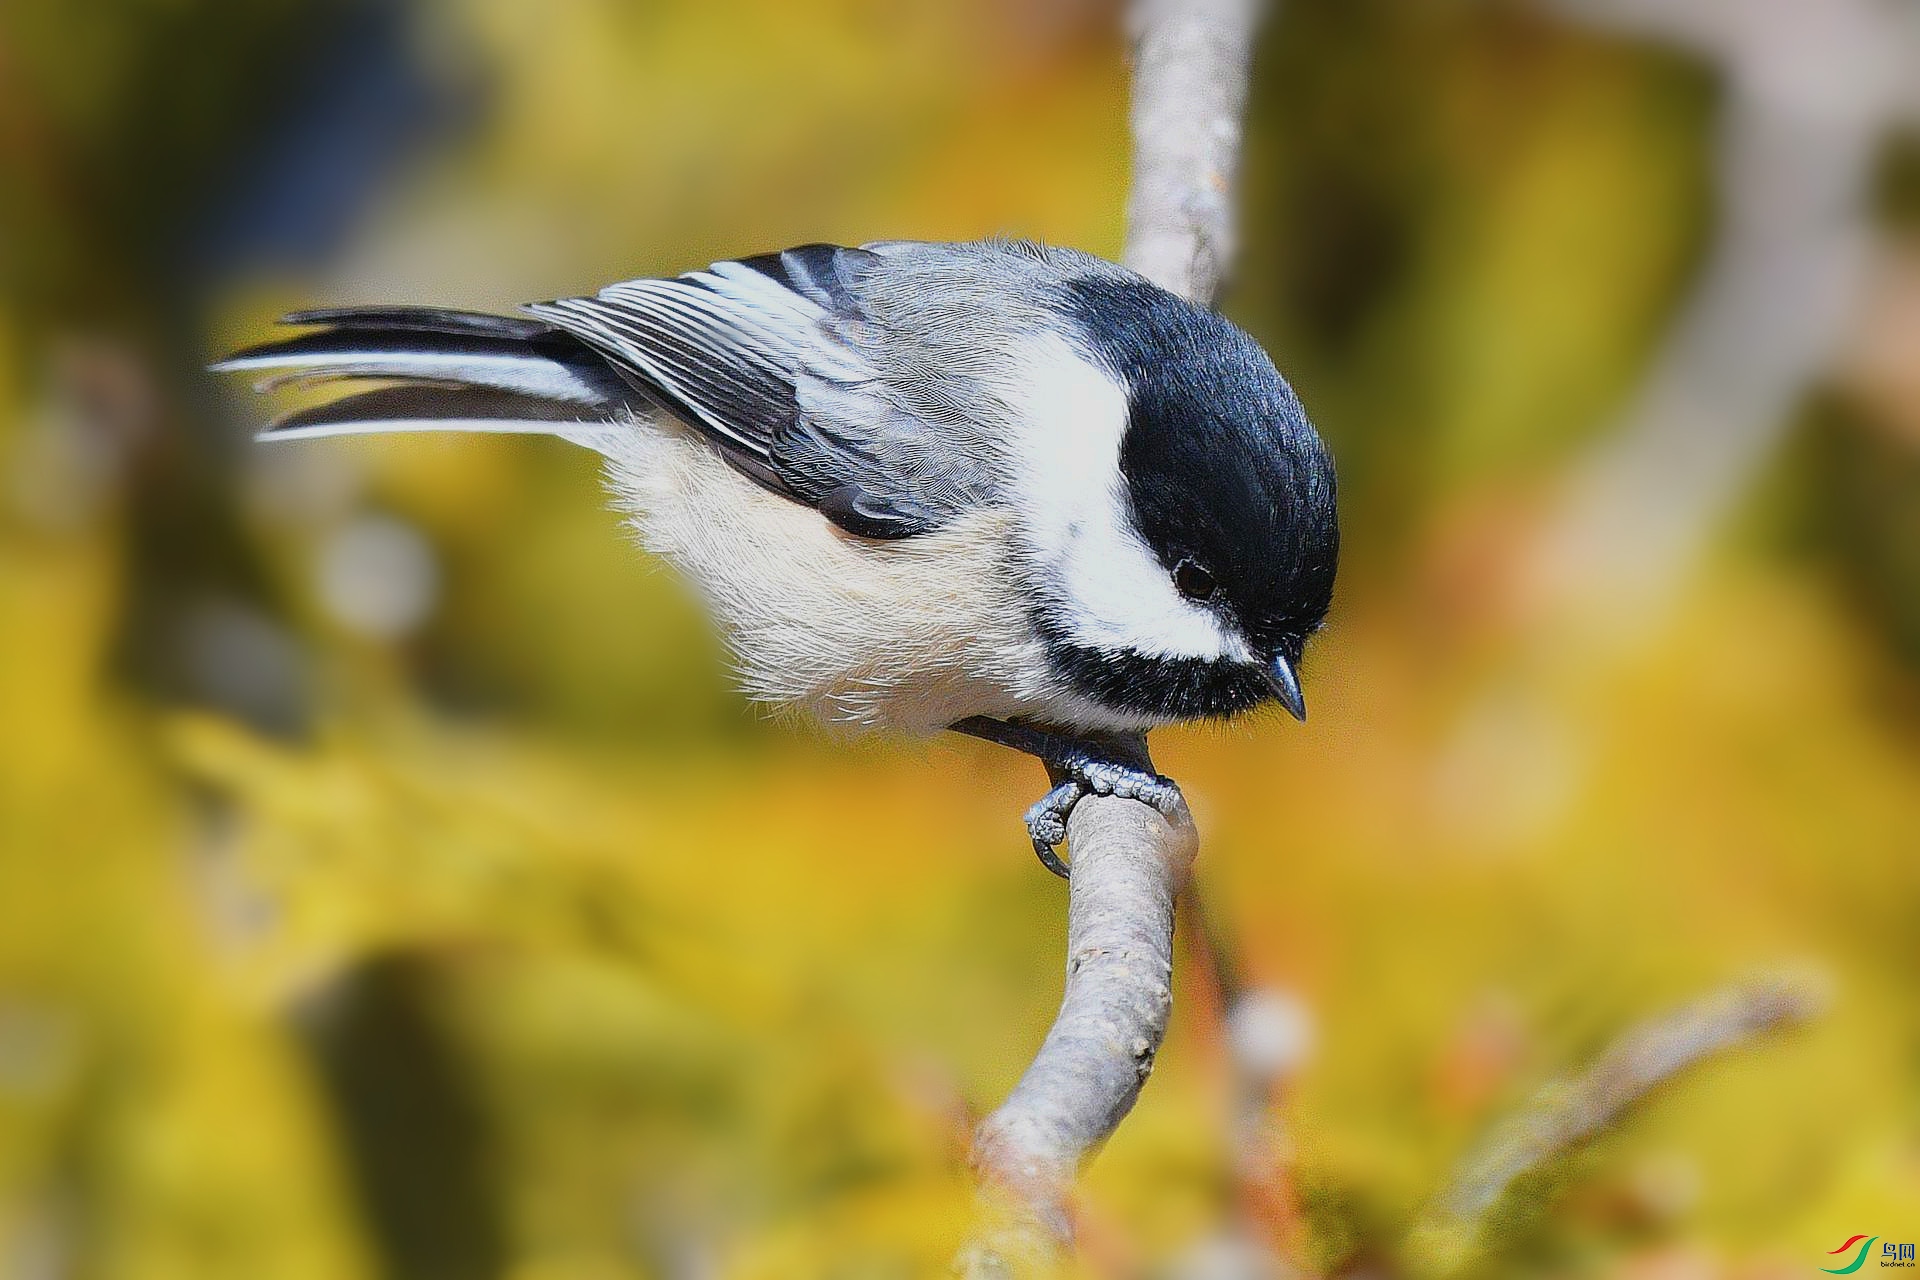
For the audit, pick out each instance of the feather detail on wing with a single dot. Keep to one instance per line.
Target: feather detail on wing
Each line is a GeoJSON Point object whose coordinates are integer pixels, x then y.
{"type": "Point", "coordinates": [772, 359]}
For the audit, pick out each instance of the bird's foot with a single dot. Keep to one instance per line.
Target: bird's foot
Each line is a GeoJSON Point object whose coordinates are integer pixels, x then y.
{"type": "Point", "coordinates": [1047, 823]}
{"type": "Point", "coordinates": [1080, 768]}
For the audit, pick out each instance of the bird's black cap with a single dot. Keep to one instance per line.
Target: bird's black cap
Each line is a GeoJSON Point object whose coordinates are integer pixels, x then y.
{"type": "Point", "coordinates": [1229, 484]}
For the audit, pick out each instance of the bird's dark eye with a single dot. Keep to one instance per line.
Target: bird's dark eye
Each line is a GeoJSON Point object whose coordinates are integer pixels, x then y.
{"type": "Point", "coordinates": [1193, 579]}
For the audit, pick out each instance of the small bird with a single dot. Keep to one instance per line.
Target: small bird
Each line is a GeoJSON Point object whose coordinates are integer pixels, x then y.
{"type": "Point", "coordinates": [997, 487]}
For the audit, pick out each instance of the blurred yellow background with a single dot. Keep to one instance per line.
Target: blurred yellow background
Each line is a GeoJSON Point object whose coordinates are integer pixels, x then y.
{"type": "Point", "coordinates": [392, 885]}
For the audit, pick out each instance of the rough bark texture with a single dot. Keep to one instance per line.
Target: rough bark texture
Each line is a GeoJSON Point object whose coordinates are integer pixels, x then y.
{"type": "Point", "coordinates": [1129, 861]}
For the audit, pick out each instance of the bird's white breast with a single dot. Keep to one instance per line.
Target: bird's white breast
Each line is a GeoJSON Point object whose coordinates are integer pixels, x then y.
{"type": "Point", "coordinates": [910, 635]}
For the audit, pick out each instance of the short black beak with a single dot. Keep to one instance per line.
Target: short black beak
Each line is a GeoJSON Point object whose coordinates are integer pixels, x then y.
{"type": "Point", "coordinates": [1286, 687]}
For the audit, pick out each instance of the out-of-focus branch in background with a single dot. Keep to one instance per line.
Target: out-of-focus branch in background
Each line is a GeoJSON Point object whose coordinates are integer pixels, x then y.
{"type": "Point", "coordinates": [1810, 91]}
{"type": "Point", "coordinates": [1573, 1111]}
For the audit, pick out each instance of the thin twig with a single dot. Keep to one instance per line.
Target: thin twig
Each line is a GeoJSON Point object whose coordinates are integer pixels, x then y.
{"type": "Point", "coordinates": [1571, 1112]}
{"type": "Point", "coordinates": [1191, 62]}
{"type": "Point", "coordinates": [1264, 1033]}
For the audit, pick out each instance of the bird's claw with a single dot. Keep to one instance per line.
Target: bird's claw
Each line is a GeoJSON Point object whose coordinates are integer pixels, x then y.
{"type": "Point", "coordinates": [1111, 778]}
{"type": "Point", "coordinates": [1047, 823]}
{"type": "Point", "coordinates": [1118, 766]}
{"type": "Point", "coordinates": [1085, 775]}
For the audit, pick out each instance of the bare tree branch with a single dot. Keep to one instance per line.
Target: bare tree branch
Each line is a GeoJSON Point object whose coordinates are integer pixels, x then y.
{"type": "Point", "coordinates": [1129, 861]}
{"type": "Point", "coordinates": [1571, 1112]}
{"type": "Point", "coordinates": [1191, 68]}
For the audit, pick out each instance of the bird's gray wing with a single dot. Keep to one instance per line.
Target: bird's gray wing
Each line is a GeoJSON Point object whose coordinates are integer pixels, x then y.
{"type": "Point", "coordinates": [779, 361]}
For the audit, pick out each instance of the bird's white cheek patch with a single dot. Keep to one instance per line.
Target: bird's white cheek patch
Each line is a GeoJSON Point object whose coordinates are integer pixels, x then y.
{"type": "Point", "coordinates": [1113, 593]}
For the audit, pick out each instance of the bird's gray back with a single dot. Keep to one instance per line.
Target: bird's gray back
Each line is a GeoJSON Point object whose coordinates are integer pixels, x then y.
{"type": "Point", "coordinates": [881, 385]}
{"type": "Point", "coordinates": [936, 323]}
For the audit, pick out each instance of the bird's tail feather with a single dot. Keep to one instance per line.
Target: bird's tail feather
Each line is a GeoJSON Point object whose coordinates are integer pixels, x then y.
{"type": "Point", "coordinates": [424, 407]}
{"type": "Point", "coordinates": [450, 370]}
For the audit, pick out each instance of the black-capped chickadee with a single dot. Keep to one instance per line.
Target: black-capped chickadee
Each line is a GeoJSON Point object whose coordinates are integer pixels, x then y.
{"type": "Point", "coordinates": [997, 487]}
